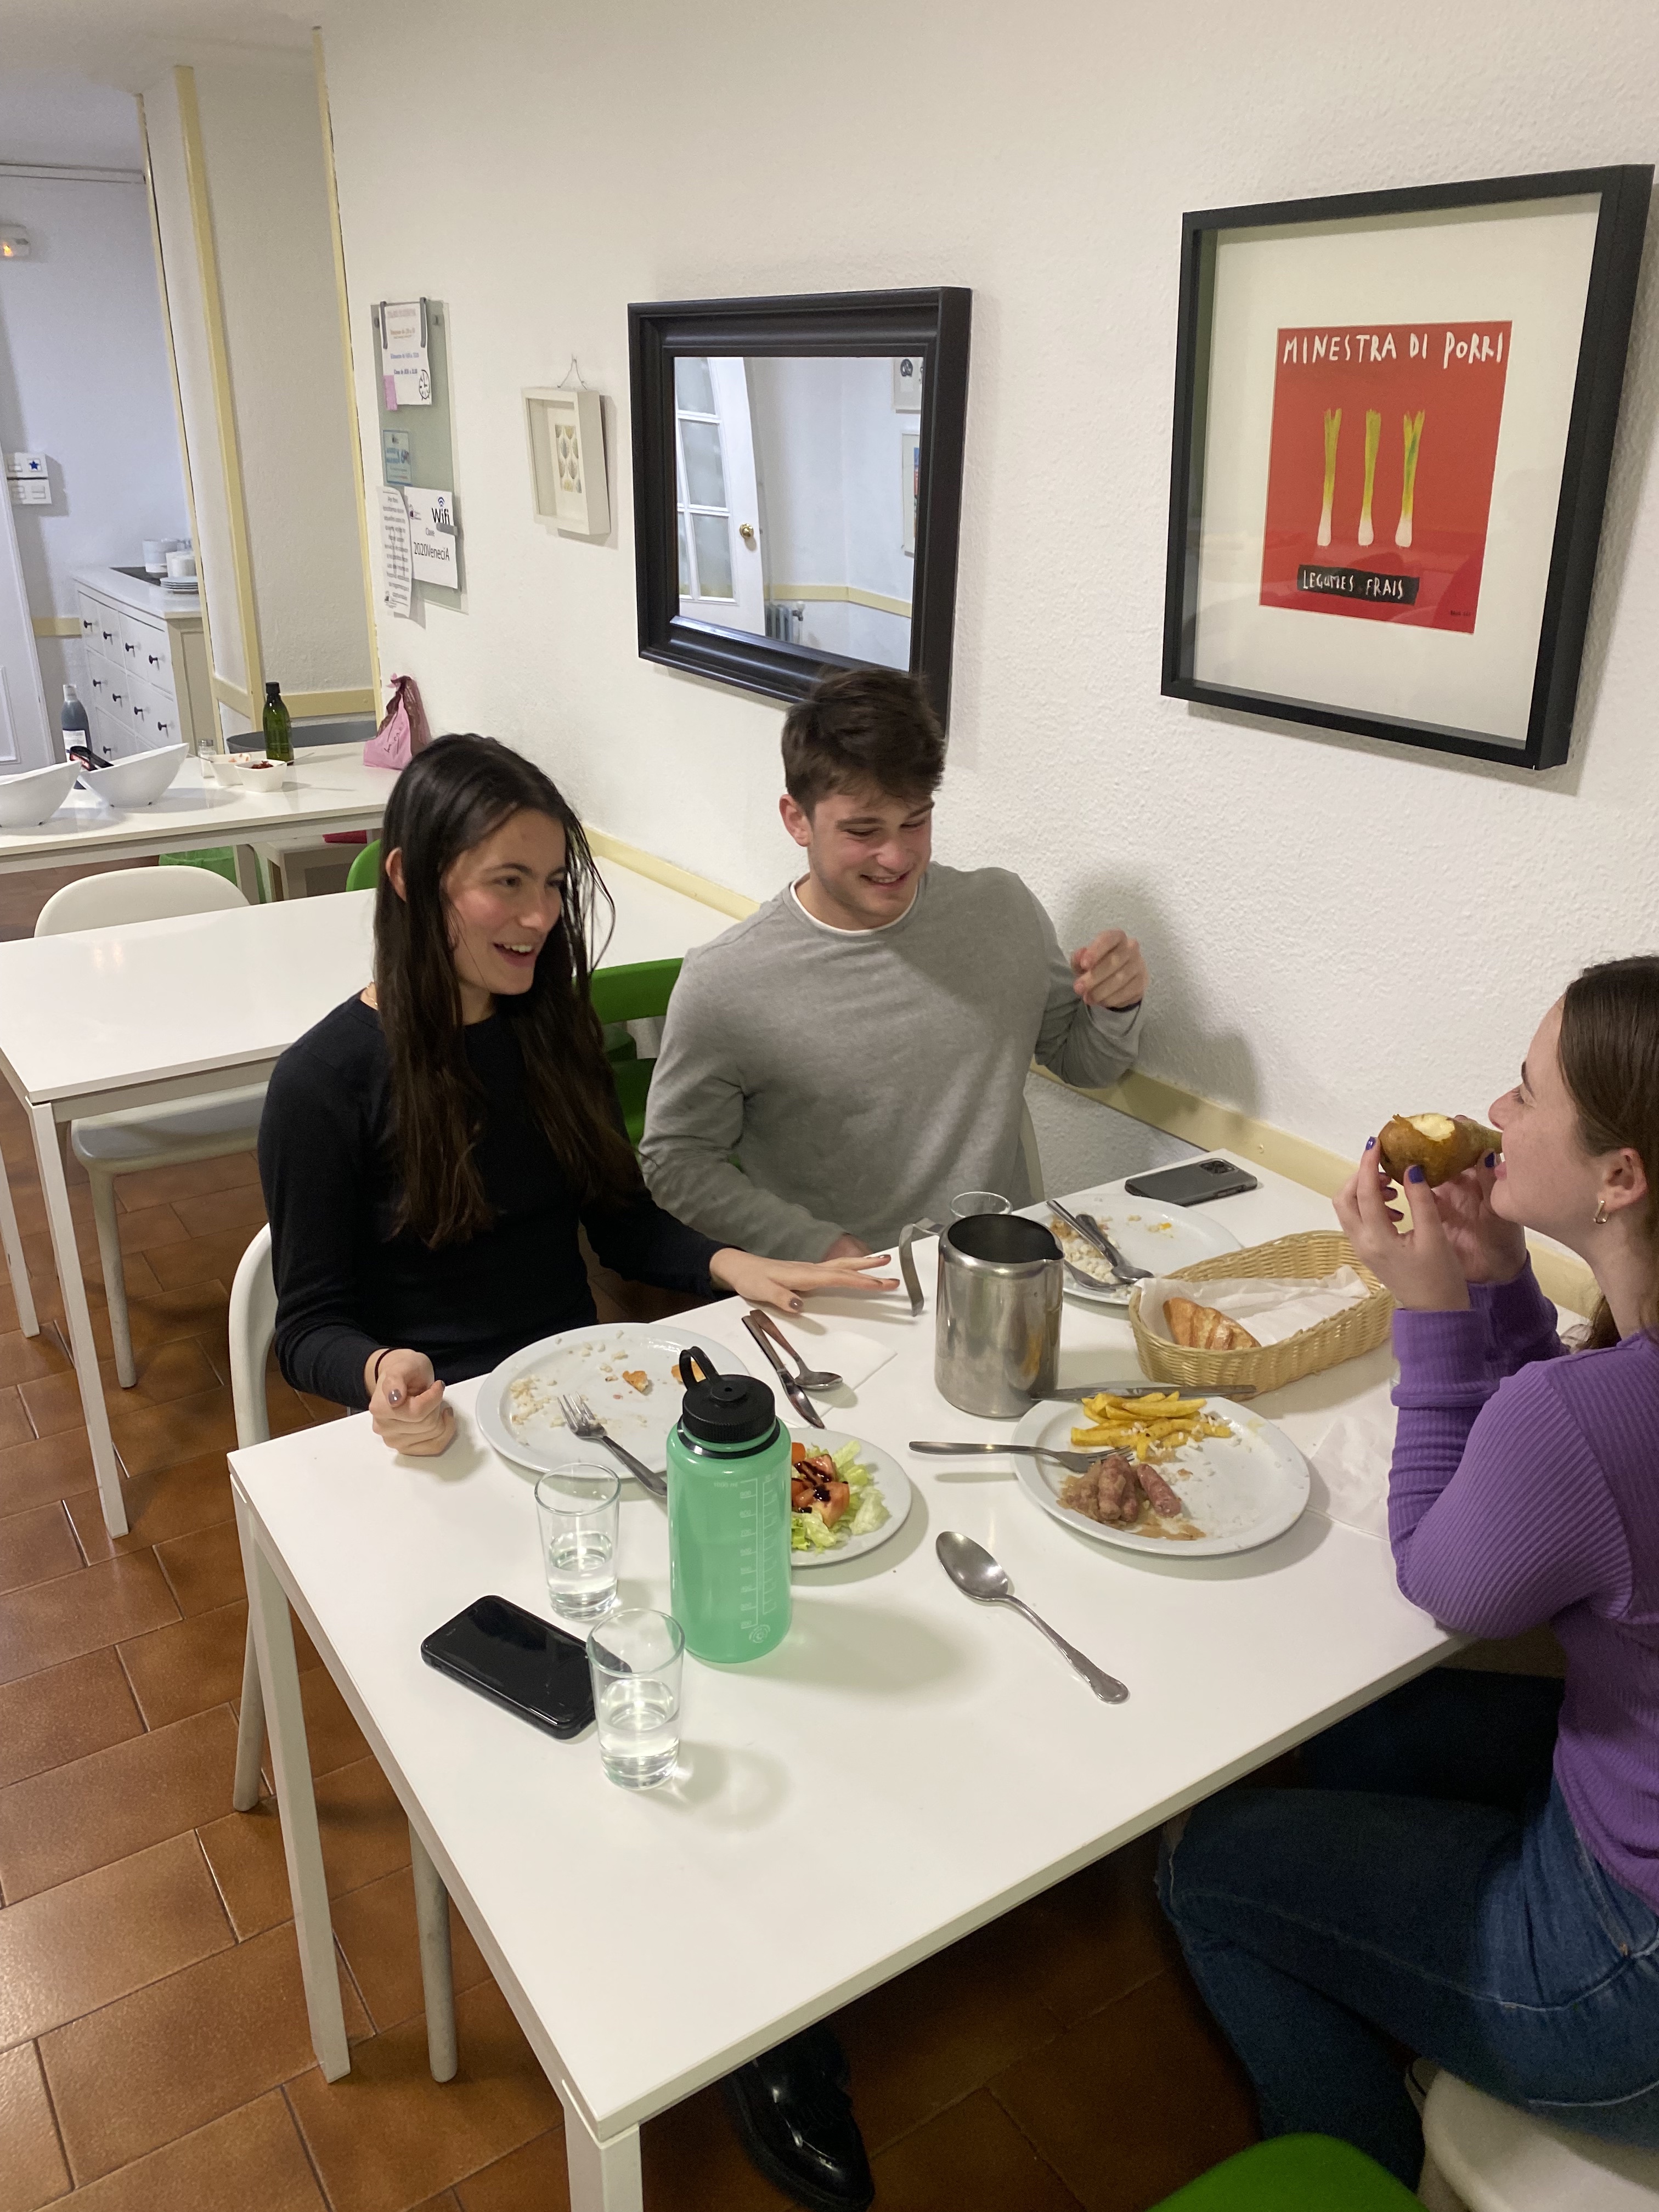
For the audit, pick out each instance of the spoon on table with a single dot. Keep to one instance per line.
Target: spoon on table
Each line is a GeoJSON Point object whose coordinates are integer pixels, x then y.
{"type": "Point", "coordinates": [984, 1579]}
{"type": "Point", "coordinates": [809, 1378]}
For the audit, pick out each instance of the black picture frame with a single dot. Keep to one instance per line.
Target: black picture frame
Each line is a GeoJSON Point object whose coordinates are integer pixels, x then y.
{"type": "Point", "coordinates": [1626, 192]}
{"type": "Point", "coordinates": [932, 323]}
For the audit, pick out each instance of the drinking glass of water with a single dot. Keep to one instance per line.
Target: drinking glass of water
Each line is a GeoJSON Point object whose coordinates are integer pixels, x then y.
{"type": "Point", "coordinates": [635, 1658]}
{"type": "Point", "coordinates": [966, 1202]}
{"type": "Point", "coordinates": [576, 1506]}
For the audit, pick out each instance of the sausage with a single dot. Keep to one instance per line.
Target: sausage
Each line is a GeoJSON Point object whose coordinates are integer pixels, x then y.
{"type": "Point", "coordinates": [1159, 1496]}
{"type": "Point", "coordinates": [1114, 1488]}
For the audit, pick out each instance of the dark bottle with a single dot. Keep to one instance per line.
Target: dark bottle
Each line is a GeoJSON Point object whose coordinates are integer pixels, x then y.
{"type": "Point", "coordinates": [279, 730]}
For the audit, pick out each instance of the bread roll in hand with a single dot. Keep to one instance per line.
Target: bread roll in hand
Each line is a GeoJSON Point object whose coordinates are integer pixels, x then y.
{"type": "Point", "coordinates": [1205, 1328]}
{"type": "Point", "coordinates": [1442, 1144]}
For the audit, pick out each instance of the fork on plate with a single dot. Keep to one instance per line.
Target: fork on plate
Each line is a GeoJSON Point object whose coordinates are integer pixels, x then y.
{"type": "Point", "coordinates": [583, 1422]}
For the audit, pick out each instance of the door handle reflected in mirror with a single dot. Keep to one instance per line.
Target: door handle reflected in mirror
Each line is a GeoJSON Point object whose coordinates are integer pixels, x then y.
{"type": "Point", "coordinates": [747, 532]}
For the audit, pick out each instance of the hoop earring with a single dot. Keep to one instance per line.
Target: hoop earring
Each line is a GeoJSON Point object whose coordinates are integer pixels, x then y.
{"type": "Point", "coordinates": [1601, 1213]}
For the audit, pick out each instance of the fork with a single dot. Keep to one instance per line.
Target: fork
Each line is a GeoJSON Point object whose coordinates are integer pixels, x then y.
{"type": "Point", "coordinates": [582, 1421]}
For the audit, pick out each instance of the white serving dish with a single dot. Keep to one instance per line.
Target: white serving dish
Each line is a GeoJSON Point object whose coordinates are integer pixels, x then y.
{"type": "Point", "coordinates": [1161, 1238]}
{"type": "Point", "coordinates": [259, 774]}
{"type": "Point", "coordinates": [34, 796]}
{"type": "Point", "coordinates": [890, 1478]}
{"type": "Point", "coordinates": [524, 1425]}
{"type": "Point", "coordinates": [137, 779]}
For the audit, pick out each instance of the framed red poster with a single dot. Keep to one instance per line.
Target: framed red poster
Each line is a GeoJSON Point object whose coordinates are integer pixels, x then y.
{"type": "Point", "coordinates": [1394, 415]}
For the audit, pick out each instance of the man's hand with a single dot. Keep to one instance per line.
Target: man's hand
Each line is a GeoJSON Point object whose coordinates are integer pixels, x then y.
{"type": "Point", "coordinates": [847, 1248]}
{"type": "Point", "coordinates": [407, 1405]}
{"type": "Point", "coordinates": [1110, 972]}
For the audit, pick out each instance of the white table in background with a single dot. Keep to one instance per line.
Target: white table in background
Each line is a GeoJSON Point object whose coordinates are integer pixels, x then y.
{"type": "Point", "coordinates": [903, 1768]}
{"type": "Point", "coordinates": [334, 791]}
{"type": "Point", "coordinates": [102, 1020]}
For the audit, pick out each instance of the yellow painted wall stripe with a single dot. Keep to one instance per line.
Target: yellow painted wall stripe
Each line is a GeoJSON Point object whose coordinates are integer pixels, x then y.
{"type": "Point", "coordinates": [55, 625]}
{"type": "Point", "coordinates": [853, 594]}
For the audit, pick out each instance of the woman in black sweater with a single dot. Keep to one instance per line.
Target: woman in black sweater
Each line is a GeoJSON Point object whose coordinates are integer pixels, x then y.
{"type": "Point", "coordinates": [429, 1149]}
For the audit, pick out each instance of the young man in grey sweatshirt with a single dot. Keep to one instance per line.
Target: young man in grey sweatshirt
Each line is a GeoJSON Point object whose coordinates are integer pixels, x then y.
{"type": "Point", "coordinates": [860, 1044]}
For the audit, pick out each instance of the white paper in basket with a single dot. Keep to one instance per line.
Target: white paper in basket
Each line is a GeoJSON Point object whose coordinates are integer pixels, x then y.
{"type": "Point", "coordinates": [1271, 1310]}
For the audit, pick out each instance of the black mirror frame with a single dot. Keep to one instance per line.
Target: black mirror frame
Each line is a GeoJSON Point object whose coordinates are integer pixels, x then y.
{"type": "Point", "coordinates": [935, 324]}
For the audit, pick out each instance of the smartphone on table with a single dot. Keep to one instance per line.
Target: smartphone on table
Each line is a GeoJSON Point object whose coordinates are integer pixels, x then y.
{"type": "Point", "coordinates": [510, 1656]}
{"type": "Point", "coordinates": [1193, 1182]}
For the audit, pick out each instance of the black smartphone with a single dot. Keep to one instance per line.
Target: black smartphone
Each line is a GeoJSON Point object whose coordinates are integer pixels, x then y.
{"type": "Point", "coordinates": [1192, 1183]}
{"type": "Point", "coordinates": [526, 1664]}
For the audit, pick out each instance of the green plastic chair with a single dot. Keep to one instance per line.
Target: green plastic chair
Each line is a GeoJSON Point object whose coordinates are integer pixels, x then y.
{"type": "Point", "coordinates": [365, 871]}
{"type": "Point", "coordinates": [639, 991]}
{"type": "Point", "coordinates": [1295, 2174]}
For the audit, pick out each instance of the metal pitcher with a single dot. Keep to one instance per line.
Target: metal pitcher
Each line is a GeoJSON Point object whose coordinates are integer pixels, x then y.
{"type": "Point", "coordinates": [1001, 1282]}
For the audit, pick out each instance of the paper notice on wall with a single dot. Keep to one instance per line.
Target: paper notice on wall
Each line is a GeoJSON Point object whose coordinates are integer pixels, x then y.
{"type": "Point", "coordinates": [405, 370]}
{"type": "Point", "coordinates": [395, 550]}
{"type": "Point", "coordinates": [433, 538]}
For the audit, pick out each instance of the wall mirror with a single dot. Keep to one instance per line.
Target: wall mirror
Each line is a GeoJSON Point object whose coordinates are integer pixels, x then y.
{"type": "Point", "coordinates": [797, 484]}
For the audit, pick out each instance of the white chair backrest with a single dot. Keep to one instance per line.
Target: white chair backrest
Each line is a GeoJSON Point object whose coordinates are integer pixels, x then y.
{"type": "Point", "coordinates": [252, 1326]}
{"type": "Point", "coordinates": [135, 895]}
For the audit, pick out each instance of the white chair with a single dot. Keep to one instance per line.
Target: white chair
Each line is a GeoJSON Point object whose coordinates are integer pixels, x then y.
{"type": "Point", "coordinates": [252, 1327]}
{"type": "Point", "coordinates": [1484, 2156]}
{"type": "Point", "coordinates": [111, 1145]}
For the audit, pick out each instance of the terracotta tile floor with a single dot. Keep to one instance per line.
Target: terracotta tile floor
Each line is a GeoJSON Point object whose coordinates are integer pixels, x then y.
{"type": "Point", "coordinates": [153, 2047]}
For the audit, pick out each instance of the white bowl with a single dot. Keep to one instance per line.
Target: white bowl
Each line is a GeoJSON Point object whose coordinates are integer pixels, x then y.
{"type": "Point", "coordinates": [261, 774]}
{"type": "Point", "coordinates": [137, 779]}
{"type": "Point", "coordinates": [34, 796]}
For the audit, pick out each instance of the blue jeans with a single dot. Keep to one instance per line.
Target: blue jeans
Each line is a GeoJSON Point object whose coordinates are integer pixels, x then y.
{"type": "Point", "coordinates": [1429, 1891]}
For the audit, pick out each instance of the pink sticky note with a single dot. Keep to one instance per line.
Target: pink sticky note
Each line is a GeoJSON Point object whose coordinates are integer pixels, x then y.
{"type": "Point", "coordinates": [390, 384]}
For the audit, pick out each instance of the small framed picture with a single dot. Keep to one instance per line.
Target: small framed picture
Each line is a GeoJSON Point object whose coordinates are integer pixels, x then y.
{"type": "Point", "coordinates": [567, 460]}
{"type": "Point", "coordinates": [1395, 417]}
{"type": "Point", "coordinates": [907, 383]}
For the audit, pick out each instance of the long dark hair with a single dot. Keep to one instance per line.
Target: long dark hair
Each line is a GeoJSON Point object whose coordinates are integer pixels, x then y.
{"type": "Point", "coordinates": [1609, 1057]}
{"type": "Point", "coordinates": [448, 800]}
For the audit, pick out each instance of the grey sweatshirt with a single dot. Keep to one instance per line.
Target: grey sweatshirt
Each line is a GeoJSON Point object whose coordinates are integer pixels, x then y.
{"type": "Point", "coordinates": [865, 1077]}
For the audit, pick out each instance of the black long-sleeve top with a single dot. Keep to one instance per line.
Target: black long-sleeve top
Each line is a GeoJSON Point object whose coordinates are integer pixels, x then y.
{"type": "Point", "coordinates": [348, 1280]}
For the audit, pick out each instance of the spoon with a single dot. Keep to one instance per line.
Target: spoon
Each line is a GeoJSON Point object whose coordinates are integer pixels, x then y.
{"type": "Point", "coordinates": [973, 1570]}
{"type": "Point", "coordinates": [810, 1378]}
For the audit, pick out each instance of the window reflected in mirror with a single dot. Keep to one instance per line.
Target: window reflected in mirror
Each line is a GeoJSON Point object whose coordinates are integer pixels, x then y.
{"type": "Point", "coordinates": [796, 484]}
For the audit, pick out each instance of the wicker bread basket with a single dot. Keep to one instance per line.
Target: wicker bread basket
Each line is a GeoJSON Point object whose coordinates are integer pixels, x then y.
{"type": "Point", "coordinates": [1308, 1256]}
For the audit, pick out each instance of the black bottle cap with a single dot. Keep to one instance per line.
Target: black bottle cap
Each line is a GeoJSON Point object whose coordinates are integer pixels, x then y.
{"type": "Point", "coordinates": [728, 1409]}
{"type": "Point", "coordinates": [273, 691]}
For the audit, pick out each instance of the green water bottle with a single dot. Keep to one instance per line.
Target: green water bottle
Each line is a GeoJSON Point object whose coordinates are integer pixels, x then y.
{"type": "Point", "coordinates": [279, 729]}
{"type": "Point", "coordinates": [728, 1516]}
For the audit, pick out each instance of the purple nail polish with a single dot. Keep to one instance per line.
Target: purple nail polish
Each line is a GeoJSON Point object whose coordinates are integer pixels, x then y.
{"type": "Point", "coordinates": [1414, 1175]}
{"type": "Point", "coordinates": [1371, 1144]}
{"type": "Point", "coordinates": [1491, 1159]}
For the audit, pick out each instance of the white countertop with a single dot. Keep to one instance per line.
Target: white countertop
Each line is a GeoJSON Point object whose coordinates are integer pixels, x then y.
{"type": "Point", "coordinates": [99, 1009]}
{"type": "Point", "coordinates": [903, 1767]}
{"type": "Point", "coordinates": [141, 597]}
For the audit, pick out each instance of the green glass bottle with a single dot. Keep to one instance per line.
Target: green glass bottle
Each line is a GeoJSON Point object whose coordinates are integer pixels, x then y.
{"type": "Point", "coordinates": [279, 729]}
{"type": "Point", "coordinates": [728, 1517]}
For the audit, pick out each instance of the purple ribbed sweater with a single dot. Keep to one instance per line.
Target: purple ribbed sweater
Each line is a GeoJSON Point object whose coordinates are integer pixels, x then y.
{"type": "Point", "coordinates": [1526, 1488]}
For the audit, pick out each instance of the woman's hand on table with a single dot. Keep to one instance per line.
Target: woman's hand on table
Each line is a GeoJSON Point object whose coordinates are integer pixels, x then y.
{"type": "Point", "coordinates": [406, 1404]}
{"type": "Point", "coordinates": [1455, 1239]}
{"type": "Point", "coordinates": [788, 1284]}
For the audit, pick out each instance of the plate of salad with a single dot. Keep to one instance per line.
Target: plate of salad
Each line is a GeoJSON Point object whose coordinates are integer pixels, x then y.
{"type": "Point", "coordinates": [847, 1496]}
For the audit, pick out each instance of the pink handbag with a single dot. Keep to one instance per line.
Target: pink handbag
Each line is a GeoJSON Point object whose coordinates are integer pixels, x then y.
{"type": "Point", "coordinates": [404, 733]}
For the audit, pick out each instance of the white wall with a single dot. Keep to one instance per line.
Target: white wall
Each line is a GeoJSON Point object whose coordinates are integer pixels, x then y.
{"type": "Point", "coordinates": [1337, 928]}
{"type": "Point", "coordinates": [83, 379]}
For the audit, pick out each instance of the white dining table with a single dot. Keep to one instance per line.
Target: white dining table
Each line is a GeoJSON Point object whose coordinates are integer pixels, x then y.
{"type": "Point", "coordinates": [903, 1767]}
{"type": "Point", "coordinates": [333, 791]}
{"type": "Point", "coordinates": [97, 1020]}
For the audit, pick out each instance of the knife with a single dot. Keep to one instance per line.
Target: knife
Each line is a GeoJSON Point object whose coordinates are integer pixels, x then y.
{"type": "Point", "coordinates": [1095, 1237]}
{"type": "Point", "coordinates": [1148, 1390]}
{"type": "Point", "coordinates": [791, 1389]}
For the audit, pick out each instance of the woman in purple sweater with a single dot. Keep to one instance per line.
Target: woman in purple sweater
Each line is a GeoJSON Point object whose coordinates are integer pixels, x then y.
{"type": "Point", "coordinates": [1474, 1875]}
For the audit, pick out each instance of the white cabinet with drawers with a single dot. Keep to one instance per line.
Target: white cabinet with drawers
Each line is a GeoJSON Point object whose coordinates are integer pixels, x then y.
{"type": "Point", "coordinates": [146, 664]}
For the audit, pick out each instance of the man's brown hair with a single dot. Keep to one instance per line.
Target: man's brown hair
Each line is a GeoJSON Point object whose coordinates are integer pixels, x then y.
{"type": "Point", "coordinates": [865, 725]}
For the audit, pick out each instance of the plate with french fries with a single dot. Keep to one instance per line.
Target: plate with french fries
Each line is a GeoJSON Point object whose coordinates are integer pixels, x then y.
{"type": "Point", "coordinates": [1209, 1477]}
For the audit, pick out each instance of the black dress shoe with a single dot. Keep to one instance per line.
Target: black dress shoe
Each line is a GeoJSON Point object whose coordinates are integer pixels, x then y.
{"type": "Point", "coordinates": [791, 2110]}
